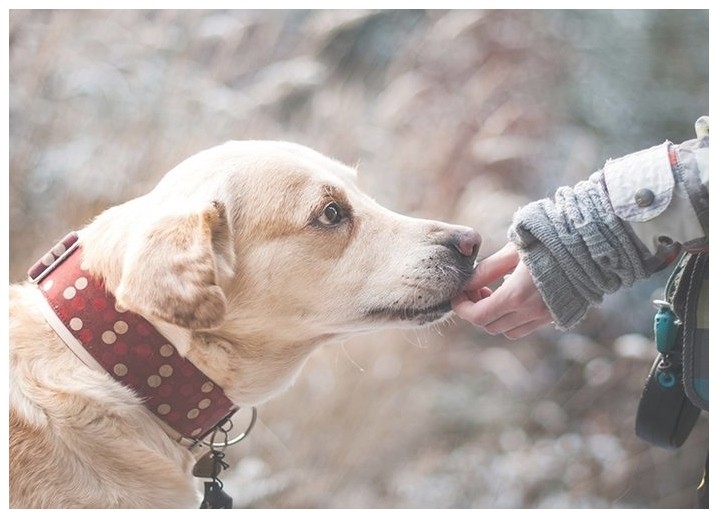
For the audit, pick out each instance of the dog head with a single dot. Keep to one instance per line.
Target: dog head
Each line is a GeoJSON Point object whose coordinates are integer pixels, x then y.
{"type": "Point", "coordinates": [272, 243]}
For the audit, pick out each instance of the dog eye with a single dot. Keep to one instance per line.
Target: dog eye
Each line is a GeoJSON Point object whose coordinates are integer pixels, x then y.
{"type": "Point", "coordinates": [332, 215]}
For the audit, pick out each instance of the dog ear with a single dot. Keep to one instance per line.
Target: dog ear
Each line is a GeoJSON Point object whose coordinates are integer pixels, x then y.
{"type": "Point", "coordinates": [173, 270]}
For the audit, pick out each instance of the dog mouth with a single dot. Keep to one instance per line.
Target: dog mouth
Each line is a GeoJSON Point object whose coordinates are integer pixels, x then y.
{"type": "Point", "coordinates": [426, 303]}
{"type": "Point", "coordinates": [412, 314]}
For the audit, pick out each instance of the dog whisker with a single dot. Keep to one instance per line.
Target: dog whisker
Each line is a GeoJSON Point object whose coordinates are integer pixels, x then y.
{"type": "Point", "coordinates": [351, 360]}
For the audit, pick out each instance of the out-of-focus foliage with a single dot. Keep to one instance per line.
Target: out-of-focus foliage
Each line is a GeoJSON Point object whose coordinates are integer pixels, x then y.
{"type": "Point", "coordinates": [456, 115]}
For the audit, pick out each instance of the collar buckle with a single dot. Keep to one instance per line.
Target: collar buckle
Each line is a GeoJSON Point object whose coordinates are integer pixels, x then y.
{"type": "Point", "coordinates": [53, 258]}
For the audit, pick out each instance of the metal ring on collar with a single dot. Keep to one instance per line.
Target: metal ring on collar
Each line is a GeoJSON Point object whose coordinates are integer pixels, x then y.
{"type": "Point", "coordinates": [229, 442]}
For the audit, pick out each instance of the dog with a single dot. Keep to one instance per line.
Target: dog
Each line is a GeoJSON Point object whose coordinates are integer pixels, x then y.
{"type": "Point", "coordinates": [240, 262]}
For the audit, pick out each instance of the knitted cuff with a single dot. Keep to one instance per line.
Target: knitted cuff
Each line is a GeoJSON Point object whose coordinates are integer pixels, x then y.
{"type": "Point", "coordinates": [576, 249]}
{"type": "Point", "coordinates": [565, 303]}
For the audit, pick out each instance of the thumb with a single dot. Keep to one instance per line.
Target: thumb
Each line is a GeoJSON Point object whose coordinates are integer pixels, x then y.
{"type": "Point", "coordinates": [494, 267]}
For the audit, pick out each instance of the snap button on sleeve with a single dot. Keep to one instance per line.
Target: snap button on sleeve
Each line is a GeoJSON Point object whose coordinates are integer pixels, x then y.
{"type": "Point", "coordinates": [646, 172]}
{"type": "Point", "coordinates": [644, 197]}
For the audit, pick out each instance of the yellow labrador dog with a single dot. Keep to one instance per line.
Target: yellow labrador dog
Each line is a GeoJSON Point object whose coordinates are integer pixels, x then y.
{"type": "Point", "coordinates": [140, 334]}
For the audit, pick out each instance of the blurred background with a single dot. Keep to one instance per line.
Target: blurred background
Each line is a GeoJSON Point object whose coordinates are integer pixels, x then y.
{"type": "Point", "coordinates": [455, 115]}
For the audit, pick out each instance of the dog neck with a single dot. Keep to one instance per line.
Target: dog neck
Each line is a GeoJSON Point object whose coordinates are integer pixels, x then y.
{"type": "Point", "coordinates": [125, 345]}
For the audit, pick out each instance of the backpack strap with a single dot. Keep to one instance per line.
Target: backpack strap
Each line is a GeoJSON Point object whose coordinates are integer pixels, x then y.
{"type": "Point", "coordinates": [690, 300]}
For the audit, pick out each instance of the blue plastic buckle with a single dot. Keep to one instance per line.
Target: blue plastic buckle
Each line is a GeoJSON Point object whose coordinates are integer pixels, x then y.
{"type": "Point", "coordinates": [665, 327]}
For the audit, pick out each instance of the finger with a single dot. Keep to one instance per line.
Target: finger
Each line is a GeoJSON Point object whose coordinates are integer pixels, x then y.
{"type": "Point", "coordinates": [463, 306]}
{"type": "Point", "coordinates": [509, 321]}
{"type": "Point", "coordinates": [526, 329]}
{"type": "Point", "coordinates": [507, 308]}
{"type": "Point", "coordinates": [513, 314]}
{"type": "Point", "coordinates": [482, 312]}
{"type": "Point", "coordinates": [477, 295]}
{"type": "Point", "coordinates": [494, 267]}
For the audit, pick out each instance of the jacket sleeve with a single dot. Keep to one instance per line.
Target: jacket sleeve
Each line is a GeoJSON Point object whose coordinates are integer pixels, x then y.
{"type": "Point", "coordinates": [624, 223]}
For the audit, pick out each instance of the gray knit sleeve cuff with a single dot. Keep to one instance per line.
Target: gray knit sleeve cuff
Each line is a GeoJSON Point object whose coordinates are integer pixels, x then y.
{"type": "Point", "coordinates": [576, 249]}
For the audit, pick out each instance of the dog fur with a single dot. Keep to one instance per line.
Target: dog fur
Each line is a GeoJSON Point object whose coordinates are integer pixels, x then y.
{"type": "Point", "coordinates": [247, 256]}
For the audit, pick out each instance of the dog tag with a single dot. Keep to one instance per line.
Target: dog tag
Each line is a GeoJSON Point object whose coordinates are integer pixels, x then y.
{"type": "Point", "coordinates": [215, 497]}
{"type": "Point", "coordinates": [207, 466]}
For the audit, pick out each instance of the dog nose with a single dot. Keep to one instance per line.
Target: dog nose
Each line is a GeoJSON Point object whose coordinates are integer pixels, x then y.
{"type": "Point", "coordinates": [467, 242]}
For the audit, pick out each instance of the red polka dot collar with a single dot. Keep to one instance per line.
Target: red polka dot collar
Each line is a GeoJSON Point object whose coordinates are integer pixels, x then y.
{"type": "Point", "coordinates": [126, 346]}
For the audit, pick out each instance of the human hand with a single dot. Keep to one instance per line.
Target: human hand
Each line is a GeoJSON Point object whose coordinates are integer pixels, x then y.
{"type": "Point", "coordinates": [515, 309]}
